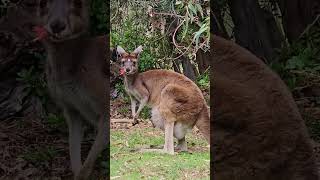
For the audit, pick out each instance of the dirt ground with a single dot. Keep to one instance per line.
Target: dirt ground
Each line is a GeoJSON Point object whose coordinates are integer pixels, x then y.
{"type": "Point", "coordinates": [29, 149]}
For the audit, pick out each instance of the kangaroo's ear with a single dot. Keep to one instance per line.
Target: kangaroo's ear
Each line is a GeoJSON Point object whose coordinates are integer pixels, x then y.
{"type": "Point", "coordinates": [114, 54]}
{"type": "Point", "coordinates": [120, 50]}
{"type": "Point", "coordinates": [138, 50]}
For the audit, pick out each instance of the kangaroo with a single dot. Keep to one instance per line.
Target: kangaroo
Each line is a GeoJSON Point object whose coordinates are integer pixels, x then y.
{"type": "Point", "coordinates": [258, 132]}
{"type": "Point", "coordinates": [177, 103]}
{"type": "Point", "coordinates": [76, 73]}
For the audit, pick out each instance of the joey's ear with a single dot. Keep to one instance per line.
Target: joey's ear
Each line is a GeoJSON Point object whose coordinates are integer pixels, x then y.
{"type": "Point", "coordinates": [138, 50]}
{"type": "Point", "coordinates": [120, 50]}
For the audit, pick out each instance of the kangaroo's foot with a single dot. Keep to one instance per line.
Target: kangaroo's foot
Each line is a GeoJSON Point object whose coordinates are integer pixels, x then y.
{"type": "Point", "coordinates": [182, 145]}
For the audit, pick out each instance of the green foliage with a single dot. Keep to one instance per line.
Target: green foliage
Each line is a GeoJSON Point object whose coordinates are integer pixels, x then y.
{"type": "Point", "coordinates": [299, 63]}
{"type": "Point", "coordinates": [203, 81]}
{"type": "Point", "coordinates": [195, 21]}
{"type": "Point", "coordinates": [124, 110]}
{"type": "Point", "coordinates": [313, 126]}
{"type": "Point", "coordinates": [145, 113]}
{"type": "Point", "coordinates": [126, 99]}
{"type": "Point", "coordinates": [190, 18]}
{"type": "Point", "coordinates": [56, 121]}
{"type": "Point", "coordinates": [120, 88]}
{"type": "Point", "coordinates": [297, 67]}
{"type": "Point", "coordinates": [34, 78]}
{"type": "Point", "coordinates": [3, 7]}
{"type": "Point", "coordinates": [99, 17]}
{"type": "Point", "coordinates": [131, 36]}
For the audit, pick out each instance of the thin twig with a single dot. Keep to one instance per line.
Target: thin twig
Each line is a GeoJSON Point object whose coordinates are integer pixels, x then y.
{"type": "Point", "coordinates": [121, 121]}
{"type": "Point", "coordinates": [174, 34]}
{"type": "Point", "coordinates": [168, 14]}
{"type": "Point", "coordinates": [309, 27]}
{"type": "Point", "coordinates": [116, 12]}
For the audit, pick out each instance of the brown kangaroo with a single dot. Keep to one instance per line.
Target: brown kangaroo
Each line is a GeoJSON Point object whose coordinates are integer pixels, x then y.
{"type": "Point", "coordinates": [76, 74]}
{"type": "Point", "coordinates": [177, 103]}
{"type": "Point", "coordinates": [258, 133]}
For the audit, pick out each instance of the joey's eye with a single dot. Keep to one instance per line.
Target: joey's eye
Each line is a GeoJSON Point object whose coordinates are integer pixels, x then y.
{"type": "Point", "coordinates": [134, 63]}
{"type": "Point", "coordinates": [77, 3]}
{"type": "Point", "coordinates": [122, 63]}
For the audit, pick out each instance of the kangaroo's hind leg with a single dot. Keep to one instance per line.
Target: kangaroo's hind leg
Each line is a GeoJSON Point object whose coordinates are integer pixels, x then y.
{"type": "Point", "coordinates": [168, 132]}
{"type": "Point", "coordinates": [74, 121]}
{"type": "Point", "coordinates": [182, 145]}
{"type": "Point", "coordinates": [180, 131]}
{"type": "Point", "coordinates": [172, 106]}
{"type": "Point", "coordinates": [98, 146]}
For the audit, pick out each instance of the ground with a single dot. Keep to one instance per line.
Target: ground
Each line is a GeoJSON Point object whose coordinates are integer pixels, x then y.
{"type": "Point", "coordinates": [32, 149]}
{"type": "Point", "coordinates": [127, 163]}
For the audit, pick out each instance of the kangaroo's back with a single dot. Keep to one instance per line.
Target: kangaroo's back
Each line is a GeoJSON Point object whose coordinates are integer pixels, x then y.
{"type": "Point", "coordinates": [156, 80]}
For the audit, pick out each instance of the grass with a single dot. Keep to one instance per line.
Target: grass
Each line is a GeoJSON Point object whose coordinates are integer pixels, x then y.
{"type": "Point", "coordinates": [127, 164]}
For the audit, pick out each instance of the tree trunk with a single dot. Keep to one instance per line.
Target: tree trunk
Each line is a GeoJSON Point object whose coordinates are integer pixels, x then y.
{"type": "Point", "coordinates": [297, 15]}
{"type": "Point", "coordinates": [203, 60]}
{"type": "Point", "coordinates": [176, 66]}
{"type": "Point", "coordinates": [252, 31]}
{"type": "Point", "coordinates": [188, 69]}
{"type": "Point", "coordinates": [218, 22]}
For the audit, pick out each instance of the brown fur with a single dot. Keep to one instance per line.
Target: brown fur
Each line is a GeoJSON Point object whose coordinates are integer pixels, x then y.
{"type": "Point", "coordinates": [76, 75]}
{"type": "Point", "coordinates": [176, 100]}
{"type": "Point", "coordinates": [258, 132]}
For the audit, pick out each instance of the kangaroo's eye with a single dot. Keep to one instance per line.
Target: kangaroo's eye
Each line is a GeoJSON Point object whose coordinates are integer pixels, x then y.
{"type": "Point", "coordinates": [77, 3]}
{"type": "Point", "coordinates": [134, 63]}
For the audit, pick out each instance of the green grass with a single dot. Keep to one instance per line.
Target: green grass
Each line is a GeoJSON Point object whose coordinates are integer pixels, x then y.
{"type": "Point", "coordinates": [128, 164]}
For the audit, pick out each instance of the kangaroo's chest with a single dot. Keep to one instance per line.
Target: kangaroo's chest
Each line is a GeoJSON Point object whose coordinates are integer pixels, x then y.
{"type": "Point", "coordinates": [132, 91]}
{"type": "Point", "coordinates": [68, 93]}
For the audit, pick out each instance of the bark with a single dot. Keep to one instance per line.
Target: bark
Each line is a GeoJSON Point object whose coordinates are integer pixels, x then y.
{"type": "Point", "coordinates": [176, 66]}
{"type": "Point", "coordinates": [275, 36]}
{"type": "Point", "coordinates": [297, 15]}
{"type": "Point", "coordinates": [218, 22]}
{"type": "Point", "coordinates": [251, 29]}
{"type": "Point", "coordinates": [188, 69]}
{"type": "Point", "coordinates": [203, 60]}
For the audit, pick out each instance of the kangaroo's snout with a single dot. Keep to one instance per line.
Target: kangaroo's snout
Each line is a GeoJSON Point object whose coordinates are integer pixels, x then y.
{"type": "Point", "coordinates": [57, 26]}
{"type": "Point", "coordinates": [64, 19]}
{"type": "Point", "coordinates": [127, 69]}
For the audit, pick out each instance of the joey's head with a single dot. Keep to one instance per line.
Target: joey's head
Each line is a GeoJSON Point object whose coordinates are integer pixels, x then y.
{"type": "Point", "coordinates": [129, 61]}
{"type": "Point", "coordinates": [64, 19]}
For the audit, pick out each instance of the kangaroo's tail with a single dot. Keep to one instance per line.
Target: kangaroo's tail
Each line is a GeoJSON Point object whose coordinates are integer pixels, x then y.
{"type": "Point", "coordinates": [203, 122]}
